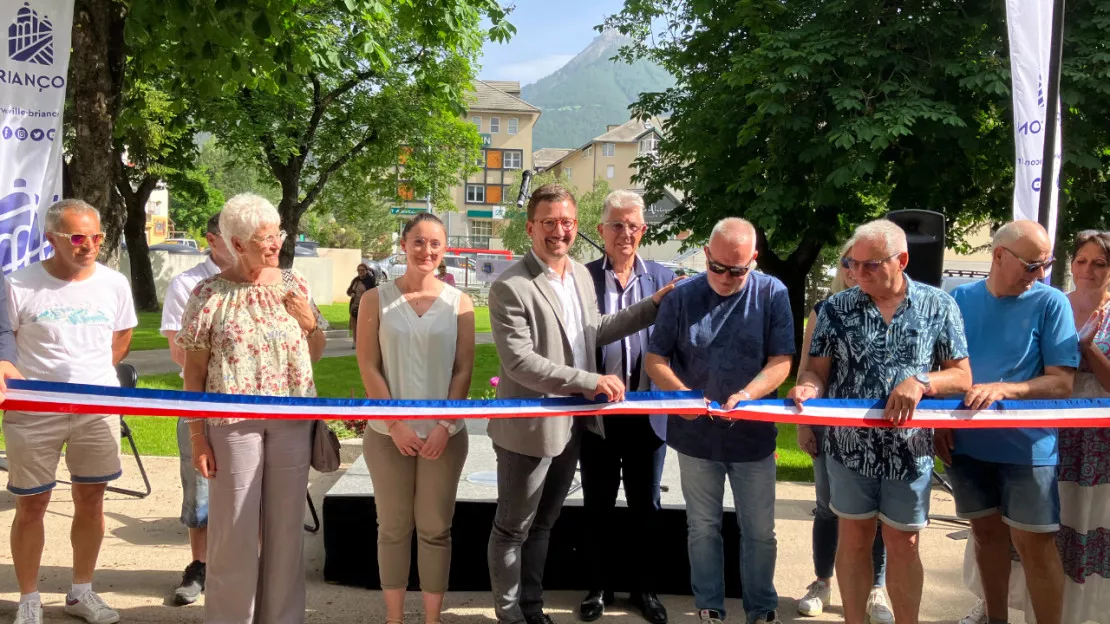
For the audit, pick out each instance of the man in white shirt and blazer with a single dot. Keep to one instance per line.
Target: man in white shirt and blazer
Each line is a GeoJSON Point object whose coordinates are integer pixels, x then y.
{"type": "Point", "coordinates": [546, 326]}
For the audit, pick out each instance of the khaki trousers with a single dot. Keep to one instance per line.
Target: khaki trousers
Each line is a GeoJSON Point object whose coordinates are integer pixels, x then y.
{"type": "Point", "coordinates": [255, 522]}
{"type": "Point", "coordinates": [413, 492]}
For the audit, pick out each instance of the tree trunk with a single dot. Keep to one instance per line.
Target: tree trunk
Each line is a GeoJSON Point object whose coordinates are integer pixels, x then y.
{"type": "Point", "coordinates": [793, 273]}
{"type": "Point", "coordinates": [95, 83]}
{"type": "Point", "coordinates": [290, 211]}
{"type": "Point", "coordinates": [143, 289]}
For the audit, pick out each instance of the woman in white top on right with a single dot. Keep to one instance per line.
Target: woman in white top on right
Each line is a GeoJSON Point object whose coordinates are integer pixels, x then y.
{"type": "Point", "coordinates": [416, 341]}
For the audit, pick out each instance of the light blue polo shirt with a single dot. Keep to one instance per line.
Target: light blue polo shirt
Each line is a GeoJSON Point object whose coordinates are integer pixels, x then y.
{"type": "Point", "coordinates": [1013, 339]}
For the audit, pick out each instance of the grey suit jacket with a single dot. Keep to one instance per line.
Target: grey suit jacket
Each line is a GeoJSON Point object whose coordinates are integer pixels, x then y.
{"type": "Point", "coordinates": [536, 359]}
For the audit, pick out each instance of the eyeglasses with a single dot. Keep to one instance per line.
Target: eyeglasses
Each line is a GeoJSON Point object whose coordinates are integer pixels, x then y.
{"type": "Point", "coordinates": [549, 224]}
{"type": "Point", "coordinates": [80, 239]}
{"type": "Point", "coordinates": [423, 243]}
{"type": "Point", "coordinates": [721, 269]}
{"type": "Point", "coordinates": [619, 227]}
{"type": "Point", "coordinates": [867, 265]}
{"type": "Point", "coordinates": [270, 240]}
{"type": "Point", "coordinates": [1031, 267]}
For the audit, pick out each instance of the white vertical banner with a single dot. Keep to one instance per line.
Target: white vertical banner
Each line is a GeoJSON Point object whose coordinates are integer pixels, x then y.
{"type": "Point", "coordinates": [1030, 26]}
{"type": "Point", "coordinates": [33, 71]}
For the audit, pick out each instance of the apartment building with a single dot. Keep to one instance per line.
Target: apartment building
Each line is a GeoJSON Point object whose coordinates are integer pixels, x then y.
{"type": "Point", "coordinates": [505, 123]}
{"type": "Point", "coordinates": [610, 157]}
{"type": "Point", "coordinates": [607, 157]}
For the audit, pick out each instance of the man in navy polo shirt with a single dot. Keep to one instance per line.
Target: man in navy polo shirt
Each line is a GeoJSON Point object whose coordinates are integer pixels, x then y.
{"type": "Point", "coordinates": [1023, 344]}
{"type": "Point", "coordinates": [730, 334]}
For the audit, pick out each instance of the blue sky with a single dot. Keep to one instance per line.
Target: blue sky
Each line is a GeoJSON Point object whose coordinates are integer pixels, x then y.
{"type": "Point", "coordinates": [548, 34]}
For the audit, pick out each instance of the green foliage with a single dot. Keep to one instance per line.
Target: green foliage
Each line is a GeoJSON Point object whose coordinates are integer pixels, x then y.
{"type": "Point", "coordinates": [306, 89]}
{"type": "Point", "coordinates": [514, 236]}
{"type": "Point", "coordinates": [810, 117]}
{"type": "Point", "coordinates": [216, 177]}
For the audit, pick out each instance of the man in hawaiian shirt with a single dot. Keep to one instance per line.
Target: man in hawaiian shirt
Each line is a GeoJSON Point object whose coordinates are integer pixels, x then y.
{"type": "Point", "coordinates": [895, 339]}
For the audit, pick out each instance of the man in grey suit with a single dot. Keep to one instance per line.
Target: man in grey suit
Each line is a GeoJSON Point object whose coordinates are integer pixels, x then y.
{"type": "Point", "coordinates": [546, 326]}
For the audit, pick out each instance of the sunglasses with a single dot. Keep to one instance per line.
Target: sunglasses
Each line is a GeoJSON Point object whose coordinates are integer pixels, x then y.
{"type": "Point", "coordinates": [80, 239]}
{"type": "Point", "coordinates": [1031, 267]}
{"type": "Point", "coordinates": [721, 269]}
{"type": "Point", "coordinates": [867, 265]}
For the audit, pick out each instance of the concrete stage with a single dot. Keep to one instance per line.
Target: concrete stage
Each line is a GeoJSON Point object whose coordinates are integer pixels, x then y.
{"type": "Point", "coordinates": [350, 527]}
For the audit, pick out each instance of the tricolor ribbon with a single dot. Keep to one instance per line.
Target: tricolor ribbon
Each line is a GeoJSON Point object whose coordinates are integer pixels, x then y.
{"type": "Point", "coordinates": [41, 396]}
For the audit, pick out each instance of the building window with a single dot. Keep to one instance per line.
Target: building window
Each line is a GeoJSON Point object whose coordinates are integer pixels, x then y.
{"type": "Point", "coordinates": [589, 152]}
{"type": "Point", "coordinates": [481, 162]}
{"type": "Point", "coordinates": [610, 172]}
{"type": "Point", "coordinates": [475, 194]}
{"type": "Point", "coordinates": [567, 172]}
{"type": "Point", "coordinates": [481, 228]}
{"type": "Point", "coordinates": [514, 160]}
{"type": "Point", "coordinates": [608, 149]}
{"type": "Point", "coordinates": [513, 125]}
{"type": "Point", "coordinates": [649, 144]}
{"type": "Point", "coordinates": [494, 125]}
{"type": "Point", "coordinates": [477, 121]}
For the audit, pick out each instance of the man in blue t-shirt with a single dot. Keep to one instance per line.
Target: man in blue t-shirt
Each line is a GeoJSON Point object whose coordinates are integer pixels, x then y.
{"type": "Point", "coordinates": [728, 333]}
{"type": "Point", "coordinates": [1023, 345]}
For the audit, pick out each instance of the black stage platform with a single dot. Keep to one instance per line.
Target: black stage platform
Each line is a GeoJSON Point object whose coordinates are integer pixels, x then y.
{"type": "Point", "coordinates": [350, 533]}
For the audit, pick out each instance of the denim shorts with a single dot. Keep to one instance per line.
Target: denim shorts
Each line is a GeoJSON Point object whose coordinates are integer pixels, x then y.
{"type": "Point", "coordinates": [1027, 496]}
{"type": "Point", "coordinates": [194, 488]}
{"type": "Point", "coordinates": [903, 505]}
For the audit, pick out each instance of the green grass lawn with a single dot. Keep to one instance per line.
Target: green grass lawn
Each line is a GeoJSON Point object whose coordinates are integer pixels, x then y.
{"type": "Point", "coordinates": [147, 336]}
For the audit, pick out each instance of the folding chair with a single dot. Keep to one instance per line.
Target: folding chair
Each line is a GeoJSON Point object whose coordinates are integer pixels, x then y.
{"type": "Point", "coordinates": [129, 378]}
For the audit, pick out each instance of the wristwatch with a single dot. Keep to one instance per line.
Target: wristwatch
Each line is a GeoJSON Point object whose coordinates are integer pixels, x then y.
{"type": "Point", "coordinates": [450, 426]}
{"type": "Point", "coordinates": [923, 378]}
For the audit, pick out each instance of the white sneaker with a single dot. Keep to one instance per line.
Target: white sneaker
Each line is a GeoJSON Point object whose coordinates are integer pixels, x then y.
{"type": "Point", "coordinates": [818, 594]}
{"type": "Point", "coordinates": [29, 613]}
{"type": "Point", "coordinates": [91, 608]}
{"type": "Point", "coordinates": [878, 607]}
{"type": "Point", "coordinates": [977, 615]}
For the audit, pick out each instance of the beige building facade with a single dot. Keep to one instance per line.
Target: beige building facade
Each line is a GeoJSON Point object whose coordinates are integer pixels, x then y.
{"type": "Point", "coordinates": [505, 123]}
{"type": "Point", "coordinates": [609, 157]}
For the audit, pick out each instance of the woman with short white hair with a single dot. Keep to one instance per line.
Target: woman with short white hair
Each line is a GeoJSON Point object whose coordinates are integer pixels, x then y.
{"type": "Point", "coordinates": [252, 330]}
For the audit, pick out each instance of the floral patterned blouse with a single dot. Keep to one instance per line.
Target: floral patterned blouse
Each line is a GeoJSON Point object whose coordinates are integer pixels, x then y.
{"type": "Point", "coordinates": [255, 345]}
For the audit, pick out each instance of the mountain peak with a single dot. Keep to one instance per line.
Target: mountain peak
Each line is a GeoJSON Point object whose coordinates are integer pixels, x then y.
{"type": "Point", "coordinates": [602, 48]}
{"type": "Point", "coordinates": [591, 92]}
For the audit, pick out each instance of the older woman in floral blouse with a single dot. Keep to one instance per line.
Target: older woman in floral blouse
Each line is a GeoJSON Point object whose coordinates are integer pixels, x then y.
{"type": "Point", "coordinates": [251, 330]}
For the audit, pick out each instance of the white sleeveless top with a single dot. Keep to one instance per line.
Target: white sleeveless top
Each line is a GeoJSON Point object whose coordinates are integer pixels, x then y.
{"type": "Point", "coordinates": [418, 352]}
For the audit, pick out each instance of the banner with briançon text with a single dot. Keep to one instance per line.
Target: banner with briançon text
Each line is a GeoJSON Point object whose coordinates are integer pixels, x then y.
{"type": "Point", "coordinates": [1030, 25]}
{"type": "Point", "coordinates": [33, 70]}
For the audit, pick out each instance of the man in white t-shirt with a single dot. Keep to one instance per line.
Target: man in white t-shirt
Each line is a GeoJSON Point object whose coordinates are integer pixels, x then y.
{"type": "Point", "coordinates": [72, 319]}
{"type": "Point", "coordinates": [194, 488]}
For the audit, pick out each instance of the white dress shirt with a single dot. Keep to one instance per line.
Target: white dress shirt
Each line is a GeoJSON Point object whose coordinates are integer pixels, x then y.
{"type": "Point", "coordinates": [567, 292]}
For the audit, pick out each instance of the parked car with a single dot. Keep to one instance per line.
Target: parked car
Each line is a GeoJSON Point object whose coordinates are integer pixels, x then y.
{"type": "Point", "coordinates": [461, 267]}
{"type": "Point", "coordinates": [185, 242]}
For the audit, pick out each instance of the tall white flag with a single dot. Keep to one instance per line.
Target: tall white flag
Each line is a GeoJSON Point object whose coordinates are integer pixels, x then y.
{"type": "Point", "coordinates": [1030, 26]}
{"type": "Point", "coordinates": [33, 73]}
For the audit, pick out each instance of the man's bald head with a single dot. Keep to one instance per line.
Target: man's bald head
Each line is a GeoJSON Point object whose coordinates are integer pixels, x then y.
{"type": "Point", "coordinates": [1017, 232]}
{"type": "Point", "coordinates": [733, 231]}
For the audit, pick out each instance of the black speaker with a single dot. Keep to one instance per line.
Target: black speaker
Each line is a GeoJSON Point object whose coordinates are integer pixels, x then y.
{"type": "Point", "coordinates": [925, 236]}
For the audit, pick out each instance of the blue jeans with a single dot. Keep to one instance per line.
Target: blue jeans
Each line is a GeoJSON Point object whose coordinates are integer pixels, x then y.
{"type": "Point", "coordinates": [826, 525]}
{"type": "Point", "coordinates": [194, 488]}
{"type": "Point", "coordinates": [753, 489]}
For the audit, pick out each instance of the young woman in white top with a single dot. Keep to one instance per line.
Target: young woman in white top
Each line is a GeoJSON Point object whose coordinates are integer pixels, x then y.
{"type": "Point", "coordinates": [416, 341]}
